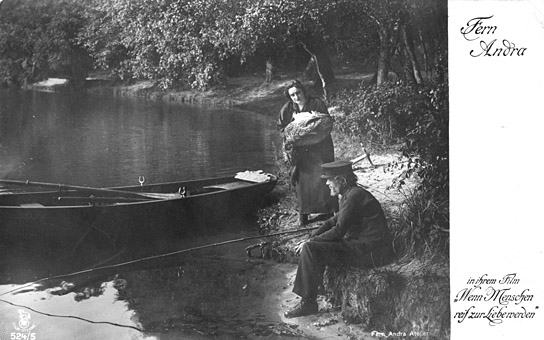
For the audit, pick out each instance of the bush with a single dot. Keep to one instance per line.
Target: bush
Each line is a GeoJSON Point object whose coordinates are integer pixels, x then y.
{"type": "Point", "coordinates": [180, 44]}
{"type": "Point", "coordinates": [414, 117]}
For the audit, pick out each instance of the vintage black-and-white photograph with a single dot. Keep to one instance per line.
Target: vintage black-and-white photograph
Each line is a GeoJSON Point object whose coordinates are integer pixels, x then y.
{"type": "Point", "coordinates": [254, 169]}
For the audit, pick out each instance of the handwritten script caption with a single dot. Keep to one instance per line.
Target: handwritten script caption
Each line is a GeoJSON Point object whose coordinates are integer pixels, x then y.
{"type": "Point", "coordinates": [478, 29]}
{"type": "Point", "coordinates": [495, 300]}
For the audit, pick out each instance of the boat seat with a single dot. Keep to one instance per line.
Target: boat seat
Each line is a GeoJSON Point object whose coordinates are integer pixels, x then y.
{"type": "Point", "coordinates": [31, 205]}
{"type": "Point", "coordinates": [159, 195]}
{"type": "Point", "coordinates": [227, 186]}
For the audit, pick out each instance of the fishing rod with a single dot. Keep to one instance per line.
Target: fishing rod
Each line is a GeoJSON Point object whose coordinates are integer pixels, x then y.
{"type": "Point", "coordinates": [154, 257]}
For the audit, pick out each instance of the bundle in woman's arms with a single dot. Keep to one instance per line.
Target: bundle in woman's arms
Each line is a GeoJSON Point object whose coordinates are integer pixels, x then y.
{"type": "Point", "coordinates": [308, 128]}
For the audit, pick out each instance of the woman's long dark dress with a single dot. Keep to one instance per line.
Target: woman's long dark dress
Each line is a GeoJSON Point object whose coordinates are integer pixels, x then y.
{"type": "Point", "coordinates": [312, 194]}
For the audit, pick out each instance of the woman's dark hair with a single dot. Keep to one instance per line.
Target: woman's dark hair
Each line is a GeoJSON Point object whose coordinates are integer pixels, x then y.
{"type": "Point", "coordinates": [297, 84]}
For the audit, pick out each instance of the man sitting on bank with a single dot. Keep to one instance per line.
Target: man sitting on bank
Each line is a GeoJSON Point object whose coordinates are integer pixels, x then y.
{"type": "Point", "coordinates": [356, 236]}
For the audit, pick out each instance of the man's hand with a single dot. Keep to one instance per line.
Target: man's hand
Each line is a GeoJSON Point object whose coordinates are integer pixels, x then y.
{"type": "Point", "coordinates": [316, 231]}
{"type": "Point", "coordinates": [298, 247]}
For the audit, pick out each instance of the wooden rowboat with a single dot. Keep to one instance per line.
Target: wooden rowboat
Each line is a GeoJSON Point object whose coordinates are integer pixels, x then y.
{"type": "Point", "coordinates": [129, 215]}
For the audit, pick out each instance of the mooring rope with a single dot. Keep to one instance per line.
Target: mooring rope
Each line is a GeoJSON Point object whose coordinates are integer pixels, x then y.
{"type": "Point", "coordinates": [72, 317]}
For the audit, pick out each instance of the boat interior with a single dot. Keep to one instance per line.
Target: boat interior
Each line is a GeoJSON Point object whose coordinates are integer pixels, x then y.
{"type": "Point", "coordinates": [81, 198]}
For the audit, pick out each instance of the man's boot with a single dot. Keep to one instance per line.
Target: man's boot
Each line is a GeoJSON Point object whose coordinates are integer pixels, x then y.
{"type": "Point", "coordinates": [305, 307]}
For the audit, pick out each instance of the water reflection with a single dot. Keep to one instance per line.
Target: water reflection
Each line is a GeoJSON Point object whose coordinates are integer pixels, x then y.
{"type": "Point", "coordinates": [62, 317]}
{"type": "Point", "coordinates": [212, 293]}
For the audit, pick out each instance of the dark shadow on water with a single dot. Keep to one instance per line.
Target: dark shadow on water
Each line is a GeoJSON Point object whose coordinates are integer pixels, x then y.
{"type": "Point", "coordinates": [215, 292]}
{"type": "Point", "coordinates": [26, 261]}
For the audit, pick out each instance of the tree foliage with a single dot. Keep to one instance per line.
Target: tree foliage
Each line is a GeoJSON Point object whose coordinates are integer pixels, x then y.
{"type": "Point", "coordinates": [38, 40]}
{"type": "Point", "coordinates": [189, 43]}
{"type": "Point", "coordinates": [193, 43]}
{"type": "Point", "coordinates": [415, 117]}
{"type": "Point", "coordinates": [178, 43]}
{"type": "Point", "coordinates": [288, 31]}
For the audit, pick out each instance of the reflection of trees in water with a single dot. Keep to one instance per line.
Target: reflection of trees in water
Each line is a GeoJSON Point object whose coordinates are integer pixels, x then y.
{"type": "Point", "coordinates": [54, 249]}
{"type": "Point", "coordinates": [209, 296]}
{"type": "Point", "coordinates": [194, 292]}
{"type": "Point", "coordinates": [24, 263]}
{"type": "Point", "coordinates": [55, 273]}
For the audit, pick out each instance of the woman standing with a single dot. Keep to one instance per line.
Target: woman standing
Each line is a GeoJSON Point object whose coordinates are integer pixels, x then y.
{"type": "Point", "coordinates": [312, 193]}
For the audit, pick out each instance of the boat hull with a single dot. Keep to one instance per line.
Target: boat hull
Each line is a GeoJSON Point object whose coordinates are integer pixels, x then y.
{"type": "Point", "coordinates": [208, 205]}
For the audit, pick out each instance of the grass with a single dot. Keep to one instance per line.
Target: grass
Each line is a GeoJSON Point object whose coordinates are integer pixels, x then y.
{"type": "Point", "coordinates": [421, 228]}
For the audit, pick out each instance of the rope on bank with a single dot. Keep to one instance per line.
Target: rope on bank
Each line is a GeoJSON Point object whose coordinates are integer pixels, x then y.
{"type": "Point", "coordinates": [154, 257]}
{"type": "Point", "coordinates": [72, 317]}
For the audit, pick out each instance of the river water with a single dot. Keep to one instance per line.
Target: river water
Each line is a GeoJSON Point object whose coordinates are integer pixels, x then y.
{"type": "Point", "coordinates": [104, 140]}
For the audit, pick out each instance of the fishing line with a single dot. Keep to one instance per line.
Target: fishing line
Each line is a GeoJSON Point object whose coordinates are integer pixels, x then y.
{"type": "Point", "coordinates": [154, 257]}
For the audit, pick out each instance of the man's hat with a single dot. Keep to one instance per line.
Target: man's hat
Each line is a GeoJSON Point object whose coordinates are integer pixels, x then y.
{"type": "Point", "coordinates": [333, 169]}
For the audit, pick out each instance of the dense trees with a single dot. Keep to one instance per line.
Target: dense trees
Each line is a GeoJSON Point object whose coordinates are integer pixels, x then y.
{"type": "Point", "coordinates": [178, 43]}
{"type": "Point", "coordinates": [402, 36]}
{"type": "Point", "coordinates": [40, 39]}
{"type": "Point", "coordinates": [196, 43]}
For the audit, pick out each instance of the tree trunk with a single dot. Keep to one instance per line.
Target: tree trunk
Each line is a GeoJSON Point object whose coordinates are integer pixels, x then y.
{"type": "Point", "coordinates": [424, 51]}
{"type": "Point", "coordinates": [383, 57]}
{"type": "Point", "coordinates": [319, 68]}
{"type": "Point", "coordinates": [271, 72]}
{"type": "Point", "coordinates": [411, 55]}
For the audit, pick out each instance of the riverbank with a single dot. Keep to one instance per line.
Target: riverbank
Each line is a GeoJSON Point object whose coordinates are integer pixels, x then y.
{"type": "Point", "coordinates": [340, 314]}
{"type": "Point", "coordinates": [246, 92]}
{"type": "Point", "coordinates": [378, 173]}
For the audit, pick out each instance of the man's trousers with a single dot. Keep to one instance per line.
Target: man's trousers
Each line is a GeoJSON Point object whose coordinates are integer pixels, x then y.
{"type": "Point", "coordinates": [315, 256]}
